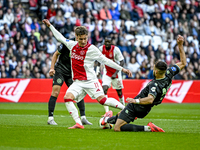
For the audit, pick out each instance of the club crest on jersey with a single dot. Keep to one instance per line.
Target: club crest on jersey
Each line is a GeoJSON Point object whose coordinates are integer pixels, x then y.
{"type": "Point", "coordinates": [82, 52]}
{"type": "Point", "coordinates": [110, 54]}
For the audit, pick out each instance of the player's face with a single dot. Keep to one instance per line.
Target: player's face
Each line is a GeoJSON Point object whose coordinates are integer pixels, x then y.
{"type": "Point", "coordinates": [107, 43]}
{"type": "Point", "coordinates": [82, 40]}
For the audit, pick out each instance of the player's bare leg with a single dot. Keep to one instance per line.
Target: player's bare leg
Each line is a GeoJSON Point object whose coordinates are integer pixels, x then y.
{"type": "Point", "coordinates": [68, 98]}
{"type": "Point", "coordinates": [121, 96]}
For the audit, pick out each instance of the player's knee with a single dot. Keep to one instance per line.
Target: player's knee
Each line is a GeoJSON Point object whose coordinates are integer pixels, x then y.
{"type": "Point", "coordinates": [55, 93]}
{"type": "Point", "coordinates": [69, 96]}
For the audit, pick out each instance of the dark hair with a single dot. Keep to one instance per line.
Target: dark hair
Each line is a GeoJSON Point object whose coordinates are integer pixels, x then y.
{"type": "Point", "coordinates": [81, 30]}
{"type": "Point", "coordinates": [161, 65]}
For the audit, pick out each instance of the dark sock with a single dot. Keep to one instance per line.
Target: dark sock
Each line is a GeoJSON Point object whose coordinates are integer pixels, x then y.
{"type": "Point", "coordinates": [132, 127]}
{"type": "Point", "coordinates": [81, 106]}
{"type": "Point", "coordinates": [51, 105]}
{"type": "Point", "coordinates": [112, 120]}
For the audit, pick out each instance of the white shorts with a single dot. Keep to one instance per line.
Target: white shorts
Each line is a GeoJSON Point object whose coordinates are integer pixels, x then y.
{"type": "Point", "coordinates": [81, 88]}
{"type": "Point", "coordinates": [116, 83]}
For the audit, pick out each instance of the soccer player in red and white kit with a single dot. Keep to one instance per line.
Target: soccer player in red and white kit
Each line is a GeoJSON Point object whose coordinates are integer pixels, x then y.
{"type": "Point", "coordinates": [85, 82]}
{"type": "Point", "coordinates": [112, 76]}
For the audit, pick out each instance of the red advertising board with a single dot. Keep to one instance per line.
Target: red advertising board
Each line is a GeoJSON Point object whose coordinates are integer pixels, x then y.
{"type": "Point", "coordinates": [39, 90]}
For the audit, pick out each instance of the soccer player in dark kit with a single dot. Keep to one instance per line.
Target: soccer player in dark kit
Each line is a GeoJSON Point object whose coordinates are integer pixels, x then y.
{"type": "Point", "coordinates": [151, 95]}
{"type": "Point", "coordinates": [62, 73]}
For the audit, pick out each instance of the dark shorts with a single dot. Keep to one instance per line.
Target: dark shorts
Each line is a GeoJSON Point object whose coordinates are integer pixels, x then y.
{"type": "Point", "coordinates": [59, 78]}
{"type": "Point", "coordinates": [131, 111]}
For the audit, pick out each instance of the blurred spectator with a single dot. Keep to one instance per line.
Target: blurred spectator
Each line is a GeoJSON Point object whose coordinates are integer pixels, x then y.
{"type": "Point", "coordinates": [141, 57]}
{"type": "Point", "coordinates": [115, 14]}
{"type": "Point", "coordinates": [67, 7]}
{"type": "Point", "coordinates": [159, 5]}
{"type": "Point", "coordinates": [51, 47]}
{"type": "Point", "coordinates": [51, 11]}
{"type": "Point", "coordinates": [59, 22]}
{"type": "Point", "coordinates": [127, 5]}
{"type": "Point", "coordinates": [133, 66]}
{"type": "Point", "coordinates": [79, 10]}
{"type": "Point", "coordinates": [42, 44]}
{"type": "Point", "coordinates": [124, 14]}
{"type": "Point", "coordinates": [35, 24]}
{"type": "Point", "coordinates": [143, 70]}
{"type": "Point", "coordinates": [3, 35]}
{"type": "Point", "coordinates": [98, 5]}
{"type": "Point", "coordinates": [105, 13]}
{"type": "Point", "coordinates": [8, 17]}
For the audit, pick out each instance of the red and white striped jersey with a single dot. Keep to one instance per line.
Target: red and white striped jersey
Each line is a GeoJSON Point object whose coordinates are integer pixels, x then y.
{"type": "Point", "coordinates": [113, 54]}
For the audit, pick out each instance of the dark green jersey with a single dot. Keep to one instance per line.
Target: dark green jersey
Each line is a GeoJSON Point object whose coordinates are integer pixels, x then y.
{"type": "Point", "coordinates": [64, 63]}
{"type": "Point", "coordinates": [158, 88]}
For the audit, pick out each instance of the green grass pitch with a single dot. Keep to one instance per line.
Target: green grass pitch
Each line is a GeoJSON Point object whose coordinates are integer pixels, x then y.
{"type": "Point", "coordinates": [24, 126]}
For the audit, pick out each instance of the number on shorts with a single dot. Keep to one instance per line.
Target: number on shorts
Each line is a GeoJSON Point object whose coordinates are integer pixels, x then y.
{"type": "Point", "coordinates": [96, 85]}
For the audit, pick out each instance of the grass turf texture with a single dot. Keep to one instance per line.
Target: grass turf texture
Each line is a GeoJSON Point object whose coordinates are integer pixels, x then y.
{"type": "Point", "coordinates": [24, 126]}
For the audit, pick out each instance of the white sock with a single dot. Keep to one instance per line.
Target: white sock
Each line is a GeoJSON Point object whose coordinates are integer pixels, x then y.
{"type": "Point", "coordinates": [106, 119]}
{"type": "Point", "coordinates": [50, 118]}
{"type": "Point", "coordinates": [147, 128]}
{"type": "Point", "coordinates": [83, 117]}
{"type": "Point", "coordinates": [122, 100]}
{"type": "Point", "coordinates": [114, 103]}
{"type": "Point", "coordinates": [106, 107]}
{"type": "Point", "coordinates": [73, 112]}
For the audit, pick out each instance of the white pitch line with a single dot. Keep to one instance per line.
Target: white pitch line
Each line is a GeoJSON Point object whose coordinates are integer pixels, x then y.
{"type": "Point", "coordinates": [22, 115]}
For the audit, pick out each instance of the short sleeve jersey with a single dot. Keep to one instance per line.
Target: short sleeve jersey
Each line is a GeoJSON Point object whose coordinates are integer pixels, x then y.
{"type": "Point", "coordinates": [113, 54]}
{"type": "Point", "coordinates": [64, 62]}
{"type": "Point", "coordinates": [158, 88]}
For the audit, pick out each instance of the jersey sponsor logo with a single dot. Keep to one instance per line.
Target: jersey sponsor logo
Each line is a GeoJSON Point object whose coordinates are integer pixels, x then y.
{"type": "Point", "coordinates": [75, 56]}
{"type": "Point", "coordinates": [173, 68]}
{"type": "Point", "coordinates": [67, 40]}
{"type": "Point", "coordinates": [13, 91]}
{"type": "Point", "coordinates": [176, 92]}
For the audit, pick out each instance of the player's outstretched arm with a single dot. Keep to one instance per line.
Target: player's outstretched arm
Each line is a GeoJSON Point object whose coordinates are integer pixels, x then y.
{"type": "Point", "coordinates": [57, 34]}
{"type": "Point", "coordinates": [143, 101]}
{"type": "Point", "coordinates": [182, 63]}
{"type": "Point", "coordinates": [53, 61]}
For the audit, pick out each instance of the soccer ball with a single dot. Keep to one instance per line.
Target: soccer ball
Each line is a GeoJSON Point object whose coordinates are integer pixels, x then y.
{"type": "Point", "coordinates": [107, 126]}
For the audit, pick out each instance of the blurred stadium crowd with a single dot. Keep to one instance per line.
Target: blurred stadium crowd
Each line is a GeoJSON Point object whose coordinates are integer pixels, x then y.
{"type": "Point", "coordinates": [144, 30]}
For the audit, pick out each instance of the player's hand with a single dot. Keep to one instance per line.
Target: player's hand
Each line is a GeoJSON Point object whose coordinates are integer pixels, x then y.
{"type": "Point", "coordinates": [128, 72]}
{"type": "Point", "coordinates": [130, 100]}
{"type": "Point", "coordinates": [46, 22]}
{"type": "Point", "coordinates": [180, 40]}
{"type": "Point", "coordinates": [51, 72]}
